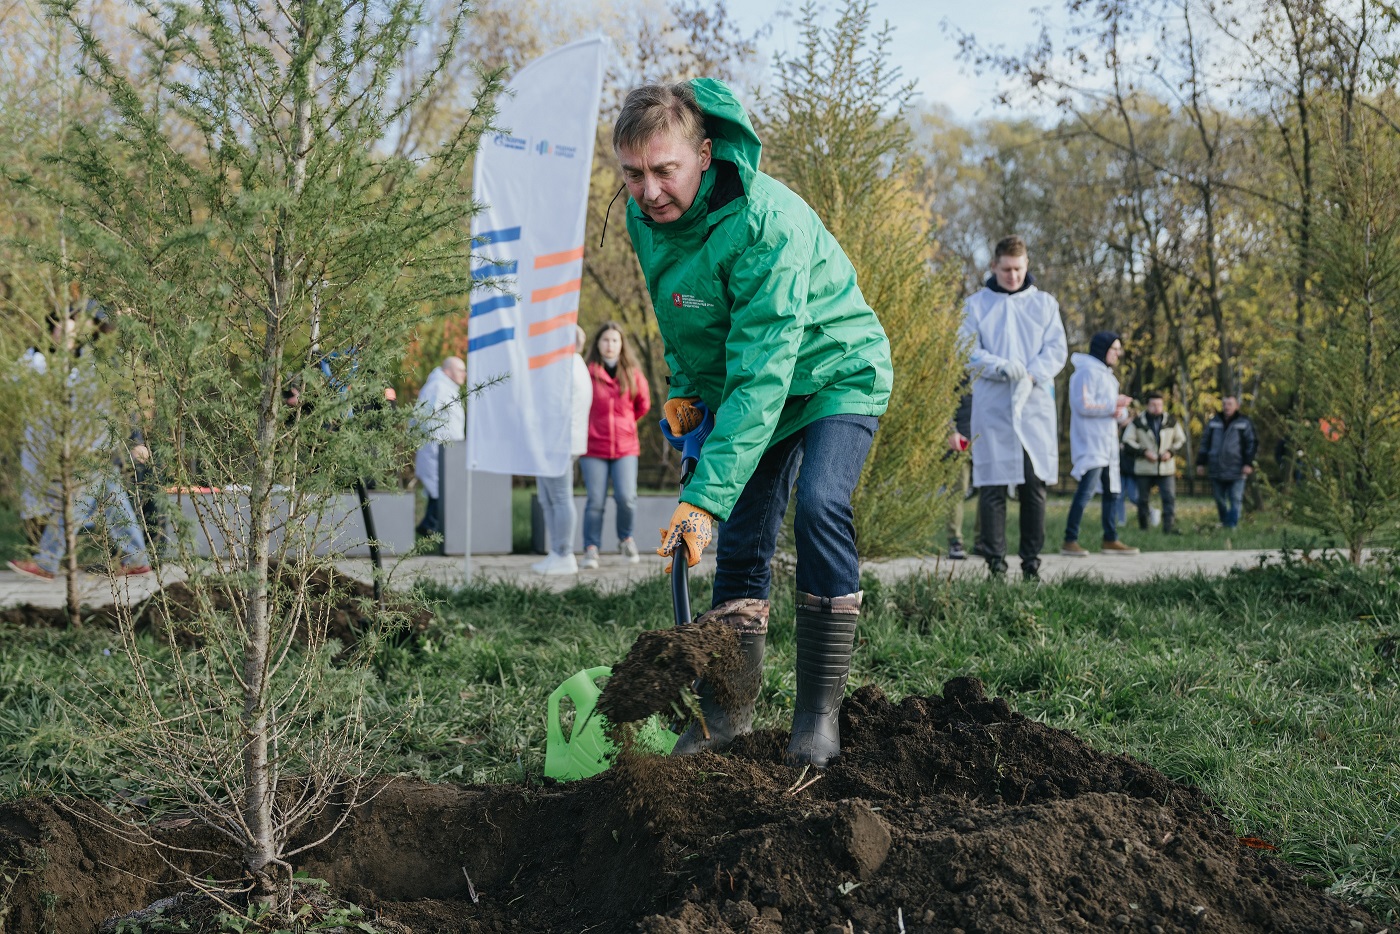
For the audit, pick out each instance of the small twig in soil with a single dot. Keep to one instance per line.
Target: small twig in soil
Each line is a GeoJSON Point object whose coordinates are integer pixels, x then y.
{"type": "Point", "coordinates": [801, 775]}
{"type": "Point", "coordinates": [801, 788]}
{"type": "Point", "coordinates": [471, 889]}
{"type": "Point", "coordinates": [900, 916]}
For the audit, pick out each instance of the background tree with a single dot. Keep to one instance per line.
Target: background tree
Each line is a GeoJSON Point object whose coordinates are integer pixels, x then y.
{"type": "Point", "coordinates": [245, 202]}
{"type": "Point", "coordinates": [1348, 435]}
{"type": "Point", "coordinates": [835, 131]}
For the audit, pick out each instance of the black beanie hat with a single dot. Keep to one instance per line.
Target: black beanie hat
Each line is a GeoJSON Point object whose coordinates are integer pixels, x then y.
{"type": "Point", "coordinates": [1099, 344]}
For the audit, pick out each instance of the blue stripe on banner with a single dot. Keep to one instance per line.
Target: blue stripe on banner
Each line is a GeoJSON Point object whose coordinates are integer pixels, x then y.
{"type": "Point", "coordinates": [491, 304]}
{"type": "Point", "coordinates": [490, 340]}
{"type": "Point", "coordinates": [496, 269]}
{"type": "Point", "coordinates": [504, 235]}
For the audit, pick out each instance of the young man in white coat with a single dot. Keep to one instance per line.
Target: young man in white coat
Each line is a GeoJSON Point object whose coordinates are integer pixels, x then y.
{"type": "Point", "coordinates": [1016, 343]}
{"type": "Point", "coordinates": [1097, 410]}
{"type": "Point", "coordinates": [439, 412]}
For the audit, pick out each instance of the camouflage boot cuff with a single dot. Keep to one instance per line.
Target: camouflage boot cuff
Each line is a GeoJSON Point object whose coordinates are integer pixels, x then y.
{"type": "Point", "coordinates": [847, 605]}
{"type": "Point", "coordinates": [746, 615]}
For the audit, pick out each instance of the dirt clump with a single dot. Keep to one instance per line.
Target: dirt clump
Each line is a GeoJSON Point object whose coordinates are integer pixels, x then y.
{"type": "Point", "coordinates": [662, 665]}
{"type": "Point", "coordinates": [944, 814]}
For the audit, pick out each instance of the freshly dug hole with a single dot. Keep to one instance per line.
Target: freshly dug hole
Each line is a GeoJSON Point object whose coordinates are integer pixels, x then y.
{"type": "Point", "coordinates": [953, 812]}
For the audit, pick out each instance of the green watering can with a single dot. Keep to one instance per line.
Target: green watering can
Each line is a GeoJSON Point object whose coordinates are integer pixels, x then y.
{"type": "Point", "coordinates": [587, 749]}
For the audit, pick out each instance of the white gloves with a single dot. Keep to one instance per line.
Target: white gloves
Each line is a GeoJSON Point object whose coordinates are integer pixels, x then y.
{"type": "Point", "coordinates": [1012, 371]}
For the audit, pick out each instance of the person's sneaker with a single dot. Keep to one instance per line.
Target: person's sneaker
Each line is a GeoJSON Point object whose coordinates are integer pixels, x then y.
{"type": "Point", "coordinates": [1030, 575]}
{"type": "Point", "coordinates": [556, 564]}
{"type": "Point", "coordinates": [955, 552]}
{"type": "Point", "coordinates": [628, 549]}
{"type": "Point", "coordinates": [590, 558]}
{"type": "Point", "coordinates": [30, 569]}
{"type": "Point", "coordinates": [133, 570]}
{"type": "Point", "coordinates": [1118, 548]}
{"type": "Point", "coordinates": [1074, 550]}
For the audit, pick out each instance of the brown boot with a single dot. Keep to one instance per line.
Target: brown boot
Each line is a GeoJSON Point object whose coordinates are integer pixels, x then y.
{"type": "Point", "coordinates": [1118, 548]}
{"type": "Point", "coordinates": [1074, 550]}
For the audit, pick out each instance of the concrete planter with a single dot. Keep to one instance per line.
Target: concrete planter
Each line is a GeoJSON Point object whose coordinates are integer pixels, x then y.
{"type": "Point", "coordinates": [339, 530]}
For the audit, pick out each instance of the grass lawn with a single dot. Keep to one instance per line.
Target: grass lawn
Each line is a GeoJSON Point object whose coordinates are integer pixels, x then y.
{"type": "Point", "coordinates": [1265, 688]}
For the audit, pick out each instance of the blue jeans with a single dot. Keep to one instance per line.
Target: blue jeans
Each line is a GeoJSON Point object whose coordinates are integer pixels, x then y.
{"type": "Point", "coordinates": [557, 501]}
{"type": "Point", "coordinates": [1229, 497]}
{"type": "Point", "coordinates": [1129, 495]}
{"type": "Point", "coordinates": [1089, 484]}
{"type": "Point", "coordinates": [121, 525]}
{"type": "Point", "coordinates": [597, 471]}
{"type": "Point", "coordinates": [830, 452]}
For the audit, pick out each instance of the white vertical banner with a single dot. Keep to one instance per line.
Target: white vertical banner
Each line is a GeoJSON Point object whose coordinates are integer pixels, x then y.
{"type": "Point", "coordinates": [534, 178]}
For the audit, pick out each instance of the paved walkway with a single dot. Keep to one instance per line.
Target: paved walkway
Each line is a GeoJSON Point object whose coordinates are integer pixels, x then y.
{"type": "Point", "coordinates": [616, 573]}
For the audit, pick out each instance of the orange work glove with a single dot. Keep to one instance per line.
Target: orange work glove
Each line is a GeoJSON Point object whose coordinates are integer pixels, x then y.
{"type": "Point", "coordinates": [689, 524]}
{"type": "Point", "coordinates": [681, 415]}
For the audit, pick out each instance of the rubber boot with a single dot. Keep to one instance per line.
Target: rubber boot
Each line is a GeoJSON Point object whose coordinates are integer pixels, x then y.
{"type": "Point", "coordinates": [723, 723]}
{"type": "Point", "coordinates": [826, 633]}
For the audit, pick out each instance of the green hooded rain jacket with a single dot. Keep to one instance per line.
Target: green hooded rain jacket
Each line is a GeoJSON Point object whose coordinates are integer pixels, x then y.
{"type": "Point", "coordinates": [758, 307]}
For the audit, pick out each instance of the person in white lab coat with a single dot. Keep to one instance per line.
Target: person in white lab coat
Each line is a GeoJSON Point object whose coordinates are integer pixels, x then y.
{"type": "Point", "coordinates": [1097, 410]}
{"type": "Point", "coordinates": [1016, 343]}
{"type": "Point", "coordinates": [441, 413]}
{"type": "Point", "coordinates": [557, 493]}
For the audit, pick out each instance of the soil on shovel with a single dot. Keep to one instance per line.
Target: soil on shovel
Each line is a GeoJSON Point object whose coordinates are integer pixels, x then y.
{"type": "Point", "coordinates": [176, 604]}
{"type": "Point", "coordinates": [944, 814]}
{"type": "Point", "coordinates": [662, 664]}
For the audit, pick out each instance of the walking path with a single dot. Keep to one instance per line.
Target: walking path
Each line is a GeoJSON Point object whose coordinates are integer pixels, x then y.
{"type": "Point", "coordinates": [616, 573]}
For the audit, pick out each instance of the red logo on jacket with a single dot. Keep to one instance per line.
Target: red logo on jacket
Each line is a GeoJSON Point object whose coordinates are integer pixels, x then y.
{"type": "Point", "coordinates": [677, 300]}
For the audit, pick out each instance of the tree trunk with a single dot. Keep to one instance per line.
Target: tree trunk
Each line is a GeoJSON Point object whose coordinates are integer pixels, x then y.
{"type": "Point", "coordinates": [262, 848]}
{"type": "Point", "coordinates": [67, 479]}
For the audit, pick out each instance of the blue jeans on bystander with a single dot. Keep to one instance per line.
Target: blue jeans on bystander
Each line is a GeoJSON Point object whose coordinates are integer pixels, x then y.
{"type": "Point", "coordinates": [1229, 498]}
{"type": "Point", "coordinates": [1089, 484]}
{"type": "Point", "coordinates": [597, 471]}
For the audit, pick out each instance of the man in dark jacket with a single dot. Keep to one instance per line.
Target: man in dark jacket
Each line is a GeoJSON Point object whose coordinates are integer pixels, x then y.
{"type": "Point", "coordinates": [1227, 454]}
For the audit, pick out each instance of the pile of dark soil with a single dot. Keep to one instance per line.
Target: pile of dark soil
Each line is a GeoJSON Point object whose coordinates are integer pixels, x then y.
{"type": "Point", "coordinates": [662, 664]}
{"type": "Point", "coordinates": [946, 814]}
{"type": "Point", "coordinates": [346, 603]}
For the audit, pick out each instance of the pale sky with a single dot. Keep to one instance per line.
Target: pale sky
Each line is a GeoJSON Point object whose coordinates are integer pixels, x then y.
{"type": "Point", "coordinates": [920, 46]}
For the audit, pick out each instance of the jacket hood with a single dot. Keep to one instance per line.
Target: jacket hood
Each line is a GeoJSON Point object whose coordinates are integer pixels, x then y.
{"type": "Point", "coordinates": [1083, 361]}
{"type": "Point", "coordinates": [727, 124]}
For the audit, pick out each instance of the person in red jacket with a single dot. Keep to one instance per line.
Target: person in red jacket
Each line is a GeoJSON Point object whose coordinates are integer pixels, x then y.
{"type": "Point", "coordinates": [621, 397]}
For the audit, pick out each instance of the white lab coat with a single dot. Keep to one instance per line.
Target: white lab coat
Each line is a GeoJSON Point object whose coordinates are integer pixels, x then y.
{"type": "Point", "coordinates": [1093, 427]}
{"type": "Point", "coordinates": [583, 406]}
{"type": "Point", "coordinates": [440, 412]}
{"type": "Point", "coordinates": [1006, 418]}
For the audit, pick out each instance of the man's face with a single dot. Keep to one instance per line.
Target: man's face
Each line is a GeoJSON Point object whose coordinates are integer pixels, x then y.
{"type": "Point", "coordinates": [1011, 272]}
{"type": "Point", "coordinates": [456, 371]}
{"type": "Point", "coordinates": [663, 174]}
{"type": "Point", "coordinates": [1155, 407]}
{"type": "Point", "coordinates": [1113, 354]}
{"type": "Point", "coordinates": [1230, 404]}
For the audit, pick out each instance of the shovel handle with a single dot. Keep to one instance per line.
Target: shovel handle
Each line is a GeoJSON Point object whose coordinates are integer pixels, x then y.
{"type": "Point", "coordinates": [680, 584]}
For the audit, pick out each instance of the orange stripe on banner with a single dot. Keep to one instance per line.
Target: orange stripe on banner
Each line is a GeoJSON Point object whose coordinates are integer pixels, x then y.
{"type": "Point", "coordinates": [554, 356]}
{"type": "Point", "coordinates": [551, 324]}
{"type": "Point", "coordinates": [554, 291]}
{"type": "Point", "coordinates": [558, 259]}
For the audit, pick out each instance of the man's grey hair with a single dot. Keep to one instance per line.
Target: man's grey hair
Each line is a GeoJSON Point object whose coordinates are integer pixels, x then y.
{"type": "Point", "coordinates": [653, 109]}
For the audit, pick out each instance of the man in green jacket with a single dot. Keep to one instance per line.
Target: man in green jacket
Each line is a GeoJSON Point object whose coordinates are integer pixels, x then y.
{"type": "Point", "coordinates": [762, 320]}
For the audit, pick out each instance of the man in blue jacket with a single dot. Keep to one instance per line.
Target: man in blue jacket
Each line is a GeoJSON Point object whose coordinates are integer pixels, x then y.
{"type": "Point", "coordinates": [1227, 454]}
